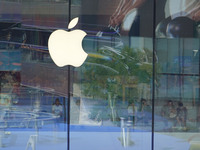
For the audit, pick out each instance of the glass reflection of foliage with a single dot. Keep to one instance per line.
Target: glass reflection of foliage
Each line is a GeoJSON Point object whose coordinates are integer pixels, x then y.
{"type": "Point", "coordinates": [126, 66]}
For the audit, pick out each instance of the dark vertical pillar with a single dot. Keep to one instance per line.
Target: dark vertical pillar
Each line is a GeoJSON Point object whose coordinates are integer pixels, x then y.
{"type": "Point", "coordinates": [65, 110]}
{"type": "Point", "coordinates": [154, 69]}
{"type": "Point", "coordinates": [68, 88]}
{"type": "Point", "coordinates": [198, 99]}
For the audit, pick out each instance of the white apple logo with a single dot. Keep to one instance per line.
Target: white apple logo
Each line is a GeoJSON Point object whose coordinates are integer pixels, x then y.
{"type": "Point", "coordinates": [65, 47]}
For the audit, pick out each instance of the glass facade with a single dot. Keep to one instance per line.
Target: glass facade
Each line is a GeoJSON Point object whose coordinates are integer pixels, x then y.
{"type": "Point", "coordinates": [137, 89]}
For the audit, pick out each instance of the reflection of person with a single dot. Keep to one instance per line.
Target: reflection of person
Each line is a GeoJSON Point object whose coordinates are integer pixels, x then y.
{"type": "Point", "coordinates": [182, 19]}
{"type": "Point", "coordinates": [8, 38]}
{"type": "Point", "coordinates": [132, 112]}
{"type": "Point", "coordinates": [6, 83]}
{"type": "Point", "coordinates": [181, 115]}
{"type": "Point", "coordinates": [168, 111]}
{"type": "Point", "coordinates": [144, 112]}
{"type": "Point", "coordinates": [57, 108]}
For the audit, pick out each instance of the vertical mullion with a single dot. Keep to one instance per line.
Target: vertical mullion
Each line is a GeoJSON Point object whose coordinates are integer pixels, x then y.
{"type": "Point", "coordinates": [153, 76]}
{"type": "Point", "coordinates": [69, 84]}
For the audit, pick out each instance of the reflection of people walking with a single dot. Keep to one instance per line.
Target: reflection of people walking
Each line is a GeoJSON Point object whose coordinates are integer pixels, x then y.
{"type": "Point", "coordinates": [181, 115]}
{"type": "Point", "coordinates": [168, 111]}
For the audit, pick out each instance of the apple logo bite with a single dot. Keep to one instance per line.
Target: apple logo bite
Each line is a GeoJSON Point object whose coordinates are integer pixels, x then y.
{"type": "Point", "coordinates": [65, 47]}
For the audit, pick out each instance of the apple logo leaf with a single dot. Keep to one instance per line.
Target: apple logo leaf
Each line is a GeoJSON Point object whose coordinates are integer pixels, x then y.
{"type": "Point", "coordinates": [73, 23]}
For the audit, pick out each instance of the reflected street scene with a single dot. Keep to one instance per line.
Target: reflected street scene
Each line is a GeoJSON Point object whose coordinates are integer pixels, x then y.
{"type": "Point", "coordinates": [137, 89]}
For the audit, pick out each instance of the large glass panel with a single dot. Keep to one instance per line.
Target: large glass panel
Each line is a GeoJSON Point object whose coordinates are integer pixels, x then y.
{"type": "Point", "coordinates": [33, 91]}
{"type": "Point", "coordinates": [177, 75]}
{"type": "Point", "coordinates": [112, 94]}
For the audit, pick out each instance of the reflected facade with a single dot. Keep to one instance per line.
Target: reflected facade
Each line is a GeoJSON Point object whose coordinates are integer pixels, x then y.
{"type": "Point", "coordinates": [138, 87]}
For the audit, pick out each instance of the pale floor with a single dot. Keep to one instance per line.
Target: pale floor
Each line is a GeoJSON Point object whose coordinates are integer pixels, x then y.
{"type": "Point", "coordinates": [93, 141]}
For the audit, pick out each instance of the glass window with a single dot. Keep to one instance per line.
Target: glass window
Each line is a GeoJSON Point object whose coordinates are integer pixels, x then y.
{"type": "Point", "coordinates": [138, 87]}
{"type": "Point", "coordinates": [177, 75]}
{"type": "Point", "coordinates": [111, 107]}
{"type": "Point", "coordinates": [33, 98]}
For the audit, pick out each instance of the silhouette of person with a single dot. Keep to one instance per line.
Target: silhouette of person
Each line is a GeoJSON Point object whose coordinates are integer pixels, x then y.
{"type": "Point", "coordinates": [168, 111]}
{"type": "Point", "coordinates": [57, 108]}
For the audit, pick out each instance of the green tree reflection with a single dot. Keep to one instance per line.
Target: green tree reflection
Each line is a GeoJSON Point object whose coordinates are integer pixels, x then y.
{"type": "Point", "coordinates": [115, 68]}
